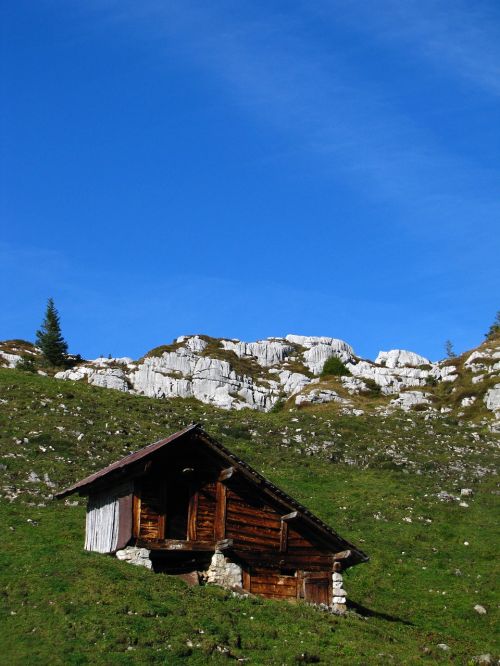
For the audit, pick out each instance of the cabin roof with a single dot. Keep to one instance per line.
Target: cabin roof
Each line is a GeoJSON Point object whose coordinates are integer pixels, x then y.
{"type": "Point", "coordinates": [248, 472]}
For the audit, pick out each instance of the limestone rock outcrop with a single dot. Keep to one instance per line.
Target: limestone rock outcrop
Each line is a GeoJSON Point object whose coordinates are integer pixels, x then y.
{"type": "Point", "coordinates": [401, 358]}
{"type": "Point", "coordinates": [233, 374]}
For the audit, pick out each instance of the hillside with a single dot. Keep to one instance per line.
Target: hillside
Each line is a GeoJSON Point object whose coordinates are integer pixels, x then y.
{"type": "Point", "coordinates": [296, 370]}
{"type": "Point", "coordinates": [389, 480]}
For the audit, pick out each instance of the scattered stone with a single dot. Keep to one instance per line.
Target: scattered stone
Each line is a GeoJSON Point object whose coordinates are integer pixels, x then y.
{"type": "Point", "coordinates": [318, 396]}
{"type": "Point", "coordinates": [410, 399]}
{"type": "Point", "coordinates": [481, 610]}
{"type": "Point", "coordinates": [443, 646]}
{"type": "Point", "coordinates": [136, 556]}
{"type": "Point", "coordinates": [483, 659]}
{"type": "Point", "coordinates": [445, 497]}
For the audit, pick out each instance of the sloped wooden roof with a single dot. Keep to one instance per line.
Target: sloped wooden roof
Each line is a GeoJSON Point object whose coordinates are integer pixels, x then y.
{"type": "Point", "coordinates": [319, 527]}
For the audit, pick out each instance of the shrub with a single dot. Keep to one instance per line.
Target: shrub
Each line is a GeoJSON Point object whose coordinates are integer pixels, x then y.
{"type": "Point", "coordinates": [371, 385]}
{"type": "Point", "coordinates": [26, 363]}
{"type": "Point", "coordinates": [278, 406]}
{"type": "Point", "coordinates": [494, 328]}
{"type": "Point", "coordinates": [334, 366]}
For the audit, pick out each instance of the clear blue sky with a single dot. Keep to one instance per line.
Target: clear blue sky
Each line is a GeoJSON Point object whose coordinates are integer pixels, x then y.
{"type": "Point", "coordinates": [251, 168]}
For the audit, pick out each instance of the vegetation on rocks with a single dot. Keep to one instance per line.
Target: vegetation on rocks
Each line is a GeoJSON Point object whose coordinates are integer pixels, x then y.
{"type": "Point", "coordinates": [334, 367]}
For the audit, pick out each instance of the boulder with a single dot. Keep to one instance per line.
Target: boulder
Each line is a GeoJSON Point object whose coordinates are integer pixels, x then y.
{"type": "Point", "coordinates": [492, 399]}
{"type": "Point", "coordinates": [410, 399]}
{"type": "Point", "coordinates": [319, 396]}
{"type": "Point", "coordinates": [401, 358]}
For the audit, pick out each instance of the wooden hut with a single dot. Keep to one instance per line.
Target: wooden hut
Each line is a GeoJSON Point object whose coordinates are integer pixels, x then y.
{"type": "Point", "coordinates": [186, 505]}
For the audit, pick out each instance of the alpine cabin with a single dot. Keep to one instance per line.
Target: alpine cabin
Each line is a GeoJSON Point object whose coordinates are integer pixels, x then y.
{"type": "Point", "coordinates": [187, 506]}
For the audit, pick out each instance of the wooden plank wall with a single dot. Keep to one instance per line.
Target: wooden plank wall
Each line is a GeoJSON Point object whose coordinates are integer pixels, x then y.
{"type": "Point", "coordinates": [250, 523]}
{"type": "Point", "coordinates": [272, 585]}
{"type": "Point", "coordinates": [206, 512]}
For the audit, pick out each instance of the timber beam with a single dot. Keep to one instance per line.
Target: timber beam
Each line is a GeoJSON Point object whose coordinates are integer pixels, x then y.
{"type": "Point", "coordinates": [227, 474]}
{"type": "Point", "coordinates": [186, 546]}
{"type": "Point", "coordinates": [290, 516]}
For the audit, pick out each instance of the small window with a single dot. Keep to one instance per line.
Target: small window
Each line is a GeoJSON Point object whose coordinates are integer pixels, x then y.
{"type": "Point", "coordinates": [288, 572]}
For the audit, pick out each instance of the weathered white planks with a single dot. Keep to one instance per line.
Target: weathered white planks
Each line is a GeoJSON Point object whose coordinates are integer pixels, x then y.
{"type": "Point", "coordinates": [103, 519]}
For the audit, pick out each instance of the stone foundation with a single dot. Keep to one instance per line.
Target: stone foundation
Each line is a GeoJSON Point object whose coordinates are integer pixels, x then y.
{"type": "Point", "coordinates": [339, 595]}
{"type": "Point", "coordinates": [137, 556]}
{"type": "Point", "coordinates": [223, 572]}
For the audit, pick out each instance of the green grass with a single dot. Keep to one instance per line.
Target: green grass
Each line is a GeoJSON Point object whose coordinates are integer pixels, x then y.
{"type": "Point", "coordinates": [364, 475]}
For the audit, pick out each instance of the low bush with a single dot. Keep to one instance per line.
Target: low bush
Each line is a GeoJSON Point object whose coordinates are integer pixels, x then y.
{"type": "Point", "coordinates": [334, 367]}
{"type": "Point", "coordinates": [27, 364]}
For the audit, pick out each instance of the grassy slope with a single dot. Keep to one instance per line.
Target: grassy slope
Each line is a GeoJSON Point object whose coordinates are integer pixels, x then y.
{"type": "Point", "coordinates": [363, 475]}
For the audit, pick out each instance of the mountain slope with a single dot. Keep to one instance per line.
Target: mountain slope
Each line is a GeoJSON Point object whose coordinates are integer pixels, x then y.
{"type": "Point", "coordinates": [390, 482]}
{"type": "Point", "coordinates": [263, 375]}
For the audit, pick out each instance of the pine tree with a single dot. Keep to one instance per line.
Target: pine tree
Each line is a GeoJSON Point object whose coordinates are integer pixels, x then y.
{"type": "Point", "coordinates": [450, 352]}
{"type": "Point", "coordinates": [494, 328]}
{"type": "Point", "coordinates": [49, 338]}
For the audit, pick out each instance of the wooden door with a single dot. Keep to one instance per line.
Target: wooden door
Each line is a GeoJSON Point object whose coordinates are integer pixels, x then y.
{"type": "Point", "coordinates": [317, 587]}
{"type": "Point", "coordinates": [149, 509]}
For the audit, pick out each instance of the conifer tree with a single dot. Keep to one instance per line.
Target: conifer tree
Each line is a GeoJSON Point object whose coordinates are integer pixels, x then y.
{"type": "Point", "coordinates": [494, 328]}
{"type": "Point", "coordinates": [450, 352]}
{"type": "Point", "coordinates": [49, 338]}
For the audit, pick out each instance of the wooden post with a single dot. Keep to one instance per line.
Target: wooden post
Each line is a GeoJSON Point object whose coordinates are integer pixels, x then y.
{"type": "Point", "coordinates": [220, 511]}
{"type": "Point", "coordinates": [192, 515]}
{"type": "Point", "coordinates": [284, 536]}
{"type": "Point", "coordinates": [137, 514]}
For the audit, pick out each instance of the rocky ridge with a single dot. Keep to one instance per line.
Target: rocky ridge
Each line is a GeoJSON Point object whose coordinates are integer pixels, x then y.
{"type": "Point", "coordinates": [233, 374]}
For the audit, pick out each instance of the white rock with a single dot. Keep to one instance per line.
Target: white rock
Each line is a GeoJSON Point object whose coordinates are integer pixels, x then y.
{"type": "Point", "coordinates": [315, 357]}
{"type": "Point", "coordinates": [445, 373]}
{"type": "Point", "coordinates": [293, 382]}
{"type": "Point", "coordinates": [103, 361]}
{"type": "Point", "coordinates": [468, 401]}
{"type": "Point", "coordinates": [410, 399]}
{"type": "Point", "coordinates": [319, 349]}
{"type": "Point", "coordinates": [266, 352]}
{"type": "Point", "coordinates": [492, 399]}
{"type": "Point", "coordinates": [114, 379]}
{"type": "Point", "coordinates": [11, 359]}
{"type": "Point", "coordinates": [400, 358]}
{"type": "Point", "coordinates": [354, 385]}
{"type": "Point", "coordinates": [196, 344]}
{"type": "Point", "coordinates": [319, 396]}
{"type": "Point", "coordinates": [390, 380]}
{"type": "Point", "coordinates": [480, 609]}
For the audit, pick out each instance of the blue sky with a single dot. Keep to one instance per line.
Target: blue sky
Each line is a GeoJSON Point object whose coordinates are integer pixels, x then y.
{"type": "Point", "coordinates": [247, 169]}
